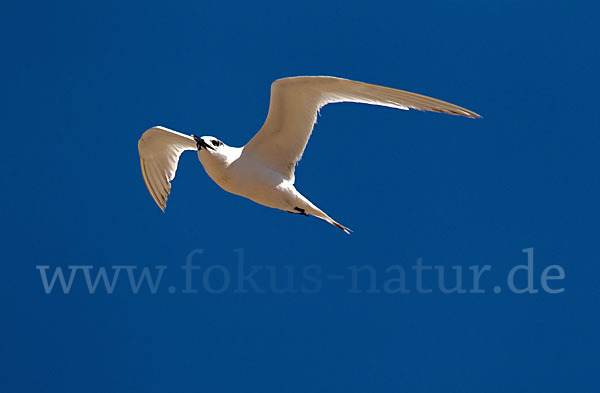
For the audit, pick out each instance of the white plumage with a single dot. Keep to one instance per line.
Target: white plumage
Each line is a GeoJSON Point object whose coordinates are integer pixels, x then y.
{"type": "Point", "coordinates": [263, 170]}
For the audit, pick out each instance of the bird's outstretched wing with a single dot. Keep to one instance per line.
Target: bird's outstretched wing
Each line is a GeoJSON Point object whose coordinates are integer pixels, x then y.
{"type": "Point", "coordinates": [159, 150]}
{"type": "Point", "coordinates": [295, 103]}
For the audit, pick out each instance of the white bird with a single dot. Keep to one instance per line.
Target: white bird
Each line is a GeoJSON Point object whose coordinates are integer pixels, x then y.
{"type": "Point", "coordinates": [263, 170]}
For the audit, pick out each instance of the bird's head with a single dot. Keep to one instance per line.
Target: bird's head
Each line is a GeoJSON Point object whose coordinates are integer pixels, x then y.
{"type": "Point", "coordinates": [213, 152]}
{"type": "Point", "coordinates": [208, 143]}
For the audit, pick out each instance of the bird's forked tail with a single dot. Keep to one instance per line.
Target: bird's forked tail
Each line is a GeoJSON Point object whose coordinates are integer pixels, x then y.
{"type": "Point", "coordinates": [309, 208]}
{"type": "Point", "coordinates": [320, 214]}
{"type": "Point", "coordinates": [343, 228]}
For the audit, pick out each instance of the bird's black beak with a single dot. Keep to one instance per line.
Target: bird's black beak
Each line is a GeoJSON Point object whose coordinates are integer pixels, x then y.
{"type": "Point", "coordinates": [201, 144]}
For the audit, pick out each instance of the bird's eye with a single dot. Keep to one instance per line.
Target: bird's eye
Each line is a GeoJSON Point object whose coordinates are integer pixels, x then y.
{"type": "Point", "coordinates": [216, 142]}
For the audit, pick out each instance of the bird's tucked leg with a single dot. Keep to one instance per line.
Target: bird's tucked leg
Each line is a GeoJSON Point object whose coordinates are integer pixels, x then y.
{"type": "Point", "coordinates": [300, 211]}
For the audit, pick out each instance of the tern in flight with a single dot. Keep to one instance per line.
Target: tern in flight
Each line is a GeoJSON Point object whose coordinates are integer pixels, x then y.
{"type": "Point", "coordinates": [263, 170]}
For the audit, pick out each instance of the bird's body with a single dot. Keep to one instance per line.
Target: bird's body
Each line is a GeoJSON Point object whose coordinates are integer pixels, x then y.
{"type": "Point", "coordinates": [263, 170]}
{"type": "Point", "coordinates": [245, 175]}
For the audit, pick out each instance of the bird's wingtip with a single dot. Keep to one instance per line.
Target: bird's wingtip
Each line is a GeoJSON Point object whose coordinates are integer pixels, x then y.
{"type": "Point", "coordinates": [472, 115]}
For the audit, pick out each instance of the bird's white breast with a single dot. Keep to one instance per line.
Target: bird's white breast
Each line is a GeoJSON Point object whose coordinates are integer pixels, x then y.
{"type": "Point", "coordinates": [242, 175]}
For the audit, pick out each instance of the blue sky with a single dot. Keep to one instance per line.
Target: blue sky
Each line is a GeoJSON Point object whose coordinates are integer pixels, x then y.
{"type": "Point", "coordinates": [82, 82]}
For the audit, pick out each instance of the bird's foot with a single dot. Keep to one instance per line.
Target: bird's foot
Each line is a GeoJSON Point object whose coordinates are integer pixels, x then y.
{"type": "Point", "coordinates": [300, 211]}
